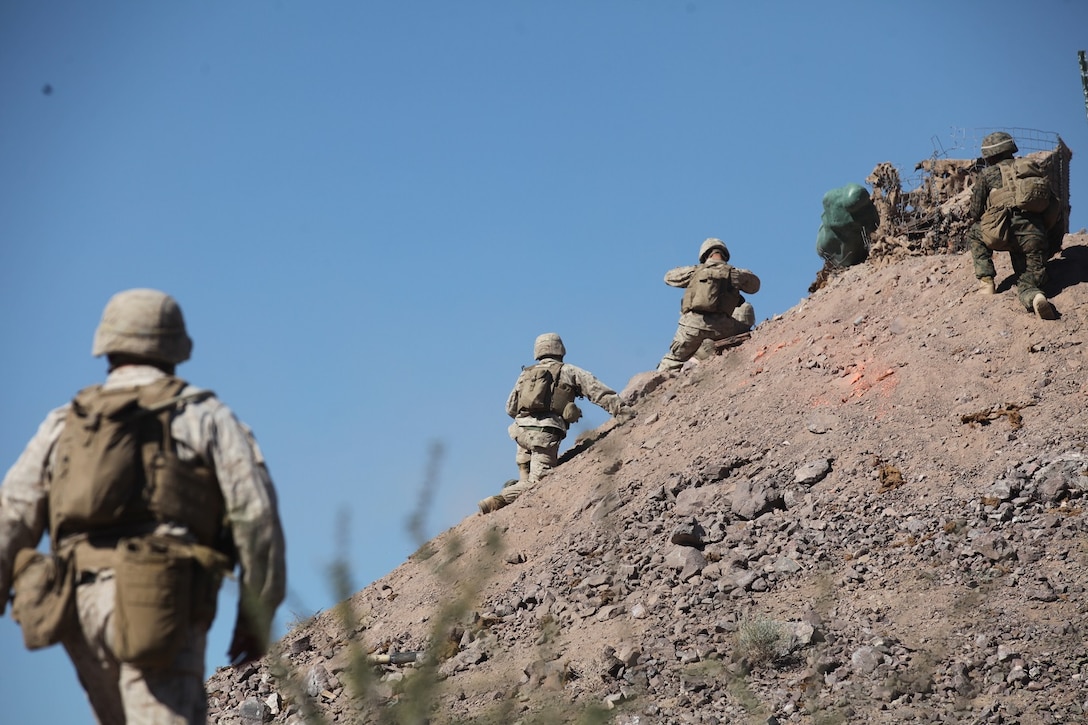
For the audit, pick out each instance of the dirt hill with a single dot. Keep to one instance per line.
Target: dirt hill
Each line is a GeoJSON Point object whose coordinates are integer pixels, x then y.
{"type": "Point", "coordinates": [871, 511]}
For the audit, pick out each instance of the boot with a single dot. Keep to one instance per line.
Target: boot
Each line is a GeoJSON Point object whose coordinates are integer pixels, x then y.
{"type": "Point", "coordinates": [491, 503]}
{"type": "Point", "coordinates": [986, 285]}
{"type": "Point", "coordinates": [1044, 310]}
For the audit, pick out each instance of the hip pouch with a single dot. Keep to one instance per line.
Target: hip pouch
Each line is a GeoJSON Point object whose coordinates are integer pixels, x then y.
{"type": "Point", "coordinates": [995, 227]}
{"type": "Point", "coordinates": [44, 604]}
{"type": "Point", "coordinates": [153, 610]}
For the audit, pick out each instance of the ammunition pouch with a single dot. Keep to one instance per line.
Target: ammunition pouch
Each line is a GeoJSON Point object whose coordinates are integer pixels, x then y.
{"type": "Point", "coordinates": [44, 604]}
{"type": "Point", "coordinates": [571, 413]}
{"type": "Point", "coordinates": [163, 587]}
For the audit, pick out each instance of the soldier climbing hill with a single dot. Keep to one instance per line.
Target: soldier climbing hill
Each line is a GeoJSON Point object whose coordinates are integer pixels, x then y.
{"type": "Point", "coordinates": [542, 406]}
{"type": "Point", "coordinates": [712, 307]}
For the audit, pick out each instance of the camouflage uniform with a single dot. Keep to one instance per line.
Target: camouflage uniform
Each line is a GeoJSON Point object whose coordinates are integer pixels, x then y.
{"type": "Point", "coordinates": [735, 315]}
{"type": "Point", "coordinates": [203, 429]}
{"type": "Point", "coordinates": [538, 435]}
{"type": "Point", "coordinates": [1028, 245]}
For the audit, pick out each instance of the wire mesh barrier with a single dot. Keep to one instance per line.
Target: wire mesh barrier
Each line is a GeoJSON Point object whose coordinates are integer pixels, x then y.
{"type": "Point", "coordinates": [926, 211]}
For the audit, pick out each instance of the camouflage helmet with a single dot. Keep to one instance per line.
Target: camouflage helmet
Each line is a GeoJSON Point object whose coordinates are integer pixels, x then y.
{"type": "Point", "coordinates": [145, 323]}
{"type": "Point", "coordinates": [709, 246]}
{"type": "Point", "coordinates": [548, 345]}
{"type": "Point", "coordinates": [996, 144]}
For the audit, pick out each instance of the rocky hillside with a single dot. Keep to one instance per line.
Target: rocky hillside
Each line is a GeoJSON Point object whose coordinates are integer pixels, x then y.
{"type": "Point", "coordinates": [871, 511]}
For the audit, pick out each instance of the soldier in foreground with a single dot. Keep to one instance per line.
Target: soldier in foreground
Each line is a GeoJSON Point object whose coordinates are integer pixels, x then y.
{"type": "Point", "coordinates": [712, 307]}
{"type": "Point", "coordinates": [151, 490]}
{"type": "Point", "coordinates": [1013, 209]}
{"type": "Point", "coordinates": [542, 406]}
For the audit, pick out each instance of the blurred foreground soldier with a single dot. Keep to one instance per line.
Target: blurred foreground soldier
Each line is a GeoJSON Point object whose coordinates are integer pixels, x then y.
{"type": "Point", "coordinates": [1013, 208]}
{"type": "Point", "coordinates": [712, 307]}
{"type": "Point", "coordinates": [152, 490]}
{"type": "Point", "coordinates": [542, 406]}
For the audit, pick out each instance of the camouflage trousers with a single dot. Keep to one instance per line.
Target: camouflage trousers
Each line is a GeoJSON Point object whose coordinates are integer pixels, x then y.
{"type": "Point", "coordinates": [1028, 251]}
{"type": "Point", "coordinates": [538, 450]}
{"type": "Point", "coordinates": [122, 694]}
{"type": "Point", "coordinates": [688, 339]}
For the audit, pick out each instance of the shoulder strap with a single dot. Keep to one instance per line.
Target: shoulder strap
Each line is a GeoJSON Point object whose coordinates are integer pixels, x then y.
{"type": "Point", "coordinates": [1008, 174]}
{"type": "Point", "coordinates": [152, 400]}
{"type": "Point", "coordinates": [155, 404]}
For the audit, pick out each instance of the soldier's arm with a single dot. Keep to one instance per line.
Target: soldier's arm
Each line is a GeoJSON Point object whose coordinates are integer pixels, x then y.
{"type": "Point", "coordinates": [597, 392]}
{"type": "Point", "coordinates": [253, 515]}
{"type": "Point", "coordinates": [679, 276]}
{"type": "Point", "coordinates": [512, 399]}
{"type": "Point", "coordinates": [744, 280]}
{"type": "Point", "coordinates": [24, 513]}
{"type": "Point", "coordinates": [980, 193]}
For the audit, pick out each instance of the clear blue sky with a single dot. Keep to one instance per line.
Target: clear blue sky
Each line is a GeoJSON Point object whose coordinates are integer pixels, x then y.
{"type": "Point", "coordinates": [368, 210]}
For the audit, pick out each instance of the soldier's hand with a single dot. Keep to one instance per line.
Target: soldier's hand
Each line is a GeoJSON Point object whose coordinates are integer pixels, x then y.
{"type": "Point", "coordinates": [247, 644]}
{"type": "Point", "coordinates": [625, 414]}
{"type": "Point", "coordinates": [244, 647]}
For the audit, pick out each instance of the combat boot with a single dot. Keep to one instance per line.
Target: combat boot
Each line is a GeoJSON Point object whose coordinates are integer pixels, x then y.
{"type": "Point", "coordinates": [491, 503]}
{"type": "Point", "coordinates": [1044, 310]}
{"type": "Point", "coordinates": [986, 286]}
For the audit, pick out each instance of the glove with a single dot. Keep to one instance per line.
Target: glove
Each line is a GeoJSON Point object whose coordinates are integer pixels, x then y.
{"type": "Point", "coordinates": [245, 645]}
{"type": "Point", "coordinates": [626, 413]}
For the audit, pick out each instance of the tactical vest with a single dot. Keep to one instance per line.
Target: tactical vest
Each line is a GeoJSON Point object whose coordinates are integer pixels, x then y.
{"type": "Point", "coordinates": [708, 293]}
{"type": "Point", "coordinates": [542, 390]}
{"type": "Point", "coordinates": [117, 468]}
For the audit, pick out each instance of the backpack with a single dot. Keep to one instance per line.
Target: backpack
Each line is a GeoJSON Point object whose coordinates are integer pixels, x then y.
{"type": "Point", "coordinates": [116, 465]}
{"type": "Point", "coordinates": [848, 220]}
{"type": "Point", "coordinates": [537, 386]}
{"type": "Point", "coordinates": [705, 293]}
{"type": "Point", "coordinates": [1024, 187]}
{"type": "Point", "coordinates": [541, 390]}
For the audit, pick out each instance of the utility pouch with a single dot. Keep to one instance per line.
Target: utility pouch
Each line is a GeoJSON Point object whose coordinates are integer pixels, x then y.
{"type": "Point", "coordinates": [995, 227]}
{"type": "Point", "coordinates": [572, 413]}
{"type": "Point", "coordinates": [44, 604]}
{"type": "Point", "coordinates": [154, 579]}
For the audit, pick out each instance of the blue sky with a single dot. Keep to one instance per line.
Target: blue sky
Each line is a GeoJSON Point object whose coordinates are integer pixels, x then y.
{"type": "Point", "coordinates": [368, 210]}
